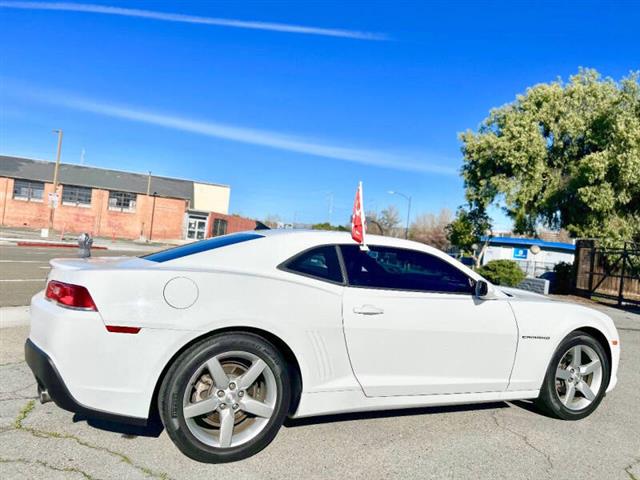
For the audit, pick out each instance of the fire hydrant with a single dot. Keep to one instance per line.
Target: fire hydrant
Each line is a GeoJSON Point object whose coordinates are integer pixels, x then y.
{"type": "Point", "coordinates": [84, 245]}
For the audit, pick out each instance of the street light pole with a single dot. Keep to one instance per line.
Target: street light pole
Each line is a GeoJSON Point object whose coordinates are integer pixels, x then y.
{"type": "Point", "coordinates": [408, 199]}
{"type": "Point", "coordinates": [55, 178]}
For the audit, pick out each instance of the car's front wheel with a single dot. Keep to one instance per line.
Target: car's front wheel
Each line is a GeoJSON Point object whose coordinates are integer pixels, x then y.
{"type": "Point", "coordinates": [225, 397]}
{"type": "Point", "coordinates": [576, 378]}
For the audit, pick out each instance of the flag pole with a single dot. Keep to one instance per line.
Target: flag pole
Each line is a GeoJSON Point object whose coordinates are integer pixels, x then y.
{"type": "Point", "coordinates": [363, 220]}
{"type": "Point", "coordinates": [358, 219]}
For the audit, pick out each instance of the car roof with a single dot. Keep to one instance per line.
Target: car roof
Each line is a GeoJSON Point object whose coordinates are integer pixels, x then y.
{"type": "Point", "coordinates": [330, 236]}
{"type": "Point", "coordinates": [263, 250]}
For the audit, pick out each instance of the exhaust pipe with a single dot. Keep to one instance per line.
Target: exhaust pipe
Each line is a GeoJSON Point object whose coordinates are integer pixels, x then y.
{"type": "Point", "coordinates": [43, 395]}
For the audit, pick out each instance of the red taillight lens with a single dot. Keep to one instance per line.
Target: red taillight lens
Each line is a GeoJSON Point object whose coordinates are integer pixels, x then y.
{"type": "Point", "coordinates": [69, 295]}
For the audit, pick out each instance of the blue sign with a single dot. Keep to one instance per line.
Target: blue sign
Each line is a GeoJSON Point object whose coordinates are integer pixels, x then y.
{"type": "Point", "coordinates": [520, 253]}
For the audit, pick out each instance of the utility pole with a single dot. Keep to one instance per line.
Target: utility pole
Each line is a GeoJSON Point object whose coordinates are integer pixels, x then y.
{"type": "Point", "coordinates": [149, 183]}
{"type": "Point", "coordinates": [53, 201]}
{"type": "Point", "coordinates": [330, 198]}
{"type": "Point", "coordinates": [153, 213]}
{"type": "Point", "coordinates": [408, 199]}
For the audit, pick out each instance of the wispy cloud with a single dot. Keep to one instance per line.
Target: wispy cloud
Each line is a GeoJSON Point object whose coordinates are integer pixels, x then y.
{"type": "Point", "coordinates": [178, 17]}
{"type": "Point", "coordinates": [421, 162]}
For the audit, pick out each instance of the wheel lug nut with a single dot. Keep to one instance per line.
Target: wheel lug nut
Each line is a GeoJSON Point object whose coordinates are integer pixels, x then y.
{"type": "Point", "coordinates": [232, 385]}
{"type": "Point", "coordinates": [235, 406]}
{"type": "Point", "coordinates": [241, 393]}
{"type": "Point", "coordinates": [221, 393]}
{"type": "Point", "coordinates": [223, 406]}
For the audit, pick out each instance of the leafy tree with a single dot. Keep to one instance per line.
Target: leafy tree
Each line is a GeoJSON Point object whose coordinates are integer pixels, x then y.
{"type": "Point", "coordinates": [502, 272]}
{"type": "Point", "coordinates": [328, 226]}
{"type": "Point", "coordinates": [467, 229]}
{"type": "Point", "coordinates": [431, 229]}
{"type": "Point", "coordinates": [565, 155]}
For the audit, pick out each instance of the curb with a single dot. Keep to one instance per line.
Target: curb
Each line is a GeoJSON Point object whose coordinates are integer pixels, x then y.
{"type": "Point", "coordinates": [27, 242]}
{"type": "Point", "coordinates": [14, 316]}
{"type": "Point", "coordinates": [56, 245]}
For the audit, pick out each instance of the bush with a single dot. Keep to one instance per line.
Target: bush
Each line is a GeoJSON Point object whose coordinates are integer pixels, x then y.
{"type": "Point", "coordinates": [502, 272]}
{"type": "Point", "coordinates": [563, 281]}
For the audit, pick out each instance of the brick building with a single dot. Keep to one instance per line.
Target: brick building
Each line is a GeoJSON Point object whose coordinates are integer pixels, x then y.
{"type": "Point", "coordinates": [112, 203]}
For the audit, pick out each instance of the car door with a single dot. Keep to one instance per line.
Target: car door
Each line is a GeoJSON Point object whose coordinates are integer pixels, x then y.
{"type": "Point", "coordinates": [413, 326]}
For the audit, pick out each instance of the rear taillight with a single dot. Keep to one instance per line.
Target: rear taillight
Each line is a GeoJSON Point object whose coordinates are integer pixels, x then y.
{"type": "Point", "coordinates": [70, 296]}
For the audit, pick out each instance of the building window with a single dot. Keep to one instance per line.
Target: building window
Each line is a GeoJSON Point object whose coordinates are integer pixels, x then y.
{"type": "Point", "coordinates": [28, 190]}
{"type": "Point", "coordinates": [219, 227]}
{"type": "Point", "coordinates": [77, 196]}
{"type": "Point", "coordinates": [122, 201]}
{"type": "Point", "coordinates": [196, 227]}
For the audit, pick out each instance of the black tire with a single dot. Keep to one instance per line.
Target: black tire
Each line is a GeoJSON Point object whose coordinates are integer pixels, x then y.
{"type": "Point", "coordinates": [549, 401]}
{"type": "Point", "coordinates": [173, 386]}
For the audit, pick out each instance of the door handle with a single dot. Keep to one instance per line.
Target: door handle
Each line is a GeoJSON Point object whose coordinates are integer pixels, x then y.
{"type": "Point", "coordinates": [368, 310]}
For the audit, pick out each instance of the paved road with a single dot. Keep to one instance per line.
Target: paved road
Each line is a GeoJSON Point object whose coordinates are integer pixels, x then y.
{"type": "Point", "coordinates": [23, 270]}
{"type": "Point", "coordinates": [493, 441]}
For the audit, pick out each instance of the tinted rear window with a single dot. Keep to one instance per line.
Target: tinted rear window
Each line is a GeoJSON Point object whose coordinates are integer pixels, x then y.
{"type": "Point", "coordinates": [321, 263]}
{"type": "Point", "coordinates": [201, 246]}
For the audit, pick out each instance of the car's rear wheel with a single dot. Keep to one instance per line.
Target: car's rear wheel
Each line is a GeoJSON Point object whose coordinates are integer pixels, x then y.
{"type": "Point", "coordinates": [576, 379]}
{"type": "Point", "coordinates": [225, 398]}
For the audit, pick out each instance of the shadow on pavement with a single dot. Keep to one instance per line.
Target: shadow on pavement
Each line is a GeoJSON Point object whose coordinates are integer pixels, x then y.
{"type": "Point", "coordinates": [153, 429]}
{"type": "Point", "coordinates": [346, 417]}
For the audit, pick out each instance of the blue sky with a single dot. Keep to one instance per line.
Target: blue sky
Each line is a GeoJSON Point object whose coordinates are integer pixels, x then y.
{"type": "Point", "coordinates": [298, 104]}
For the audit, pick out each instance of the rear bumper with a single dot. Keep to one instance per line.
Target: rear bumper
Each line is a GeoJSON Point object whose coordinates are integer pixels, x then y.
{"type": "Point", "coordinates": [49, 379]}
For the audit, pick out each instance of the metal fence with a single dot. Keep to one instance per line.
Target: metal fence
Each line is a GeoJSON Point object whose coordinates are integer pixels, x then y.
{"type": "Point", "coordinates": [535, 269]}
{"type": "Point", "coordinates": [612, 273]}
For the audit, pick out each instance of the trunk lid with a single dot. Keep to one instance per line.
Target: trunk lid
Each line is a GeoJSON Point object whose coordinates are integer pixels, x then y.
{"type": "Point", "coordinates": [97, 263]}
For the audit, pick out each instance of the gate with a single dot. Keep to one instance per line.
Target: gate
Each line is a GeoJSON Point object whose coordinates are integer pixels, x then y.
{"type": "Point", "coordinates": [612, 273]}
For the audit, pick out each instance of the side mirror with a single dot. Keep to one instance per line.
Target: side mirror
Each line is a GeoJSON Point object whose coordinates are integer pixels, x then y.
{"type": "Point", "coordinates": [485, 291]}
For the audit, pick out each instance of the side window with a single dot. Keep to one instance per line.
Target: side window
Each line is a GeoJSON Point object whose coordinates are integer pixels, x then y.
{"type": "Point", "coordinates": [321, 263]}
{"type": "Point", "coordinates": [403, 269]}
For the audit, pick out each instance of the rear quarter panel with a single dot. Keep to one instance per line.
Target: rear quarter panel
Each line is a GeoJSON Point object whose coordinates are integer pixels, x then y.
{"type": "Point", "coordinates": [303, 312]}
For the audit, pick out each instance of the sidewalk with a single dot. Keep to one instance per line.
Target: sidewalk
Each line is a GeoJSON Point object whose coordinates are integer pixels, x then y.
{"type": "Point", "coordinates": [14, 316]}
{"type": "Point", "coordinates": [29, 237]}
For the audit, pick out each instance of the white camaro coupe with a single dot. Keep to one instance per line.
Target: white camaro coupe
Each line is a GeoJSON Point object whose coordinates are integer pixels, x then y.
{"type": "Point", "coordinates": [225, 337]}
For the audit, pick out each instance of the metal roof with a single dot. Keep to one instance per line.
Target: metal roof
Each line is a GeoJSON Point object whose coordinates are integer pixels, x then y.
{"type": "Point", "coordinates": [531, 241]}
{"type": "Point", "coordinates": [84, 176]}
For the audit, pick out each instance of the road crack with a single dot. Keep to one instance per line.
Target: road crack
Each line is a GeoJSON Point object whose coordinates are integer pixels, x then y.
{"type": "Point", "coordinates": [13, 392]}
{"type": "Point", "coordinates": [47, 465]}
{"type": "Point", "coordinates": [525, 439]}
{"type": "Point", "coordinates": [18, 425]}
{"type": "Point", "coordinates": [10, 364]}
{"type": "Point", "coordinates": [628, 468]}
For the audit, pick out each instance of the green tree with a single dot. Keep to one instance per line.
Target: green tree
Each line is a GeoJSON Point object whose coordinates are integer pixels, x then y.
{"type": "Point", "coordinates": [328, 226]}
{"type": "Point", "coordinates": [467, 230]}
{"type": "Point", "coordinates": [564, 155]}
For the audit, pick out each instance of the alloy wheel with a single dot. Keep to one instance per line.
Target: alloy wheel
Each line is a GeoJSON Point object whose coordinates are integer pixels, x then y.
{"type": "Point", "coordinates": [230, 399]}
{"type": "Point", "coordinates": [578, 377]}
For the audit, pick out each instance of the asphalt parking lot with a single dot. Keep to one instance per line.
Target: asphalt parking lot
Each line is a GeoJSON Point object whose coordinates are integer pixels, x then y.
{"type": "Point", "coordinates": [496, 441]}
{"type": "Point", "coordinates": [23, 270]}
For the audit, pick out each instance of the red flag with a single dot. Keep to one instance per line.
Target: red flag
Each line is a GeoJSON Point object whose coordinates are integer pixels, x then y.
{"type": "Point", "coordinates": [358, 225]}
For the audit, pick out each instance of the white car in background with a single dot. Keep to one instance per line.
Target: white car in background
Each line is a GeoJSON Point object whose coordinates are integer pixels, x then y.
{"type": "Point", "coordinates": [226, 337]}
